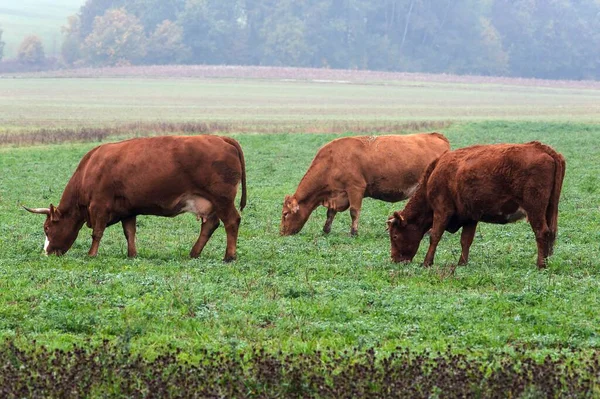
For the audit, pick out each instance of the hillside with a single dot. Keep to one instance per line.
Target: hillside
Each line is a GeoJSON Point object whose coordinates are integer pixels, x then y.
{"type": "Point", "coordinates": [40, 17]}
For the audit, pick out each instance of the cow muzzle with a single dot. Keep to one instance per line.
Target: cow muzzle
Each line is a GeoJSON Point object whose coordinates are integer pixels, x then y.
{"type": "Point", "coordinates": [401, 259]}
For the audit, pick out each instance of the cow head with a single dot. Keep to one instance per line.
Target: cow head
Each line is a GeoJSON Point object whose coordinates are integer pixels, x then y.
{"type": "Point", "coordinates": [405, 237]}
{"type": "Point", "coordinates": [60, 229]}
{"type": "Point", "coordinates": [292, 216]}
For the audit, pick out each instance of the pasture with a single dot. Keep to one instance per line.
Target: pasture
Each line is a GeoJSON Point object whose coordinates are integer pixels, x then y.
{"type": "Point", "coordinates": [255, 100]}
{"type": "Point", "coordinates": [310, 292]}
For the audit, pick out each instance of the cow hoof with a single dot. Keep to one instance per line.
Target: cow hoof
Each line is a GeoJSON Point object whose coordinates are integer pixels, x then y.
{"type": "Point", "coordinates": [353, 233]}
{"type": "Point", "coordinates": [326, 230]}
{"type": "Point", "coordinates": [228, 259]}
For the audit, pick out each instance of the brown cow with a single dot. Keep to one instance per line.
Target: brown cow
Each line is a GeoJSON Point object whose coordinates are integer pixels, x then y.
{"type": "Point", "coordinates": [162, 176]}
{"type": "Point", "coordinates": [498, 183]}
{"type": "Point", "coordinates": [348, 169]}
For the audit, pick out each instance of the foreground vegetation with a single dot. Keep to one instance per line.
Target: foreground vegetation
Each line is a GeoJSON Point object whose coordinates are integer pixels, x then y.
{"type": "Point", "coordinates": [112, 371]}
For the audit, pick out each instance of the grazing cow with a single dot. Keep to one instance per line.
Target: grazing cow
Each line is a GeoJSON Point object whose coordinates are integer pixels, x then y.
{"type": "Point", "coordinates": [162, 176]}
{"type": "Point", "coordinates": [348, 169]}
{"type": "Point", "coordinates": [498, 183]}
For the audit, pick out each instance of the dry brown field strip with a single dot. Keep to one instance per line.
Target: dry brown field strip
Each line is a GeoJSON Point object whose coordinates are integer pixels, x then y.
{"type": "Point", "coordinates": [44, 101]}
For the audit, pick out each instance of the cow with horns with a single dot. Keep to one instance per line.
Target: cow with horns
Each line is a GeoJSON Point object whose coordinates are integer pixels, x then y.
{"type": "Point", "coordinates": [163, 176]}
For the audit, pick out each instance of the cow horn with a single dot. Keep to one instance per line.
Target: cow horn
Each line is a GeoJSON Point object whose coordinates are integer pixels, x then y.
{"type": "Point", "coordinates": [389, 223]}
{"type": "Point", "coordinates": [41, 211]}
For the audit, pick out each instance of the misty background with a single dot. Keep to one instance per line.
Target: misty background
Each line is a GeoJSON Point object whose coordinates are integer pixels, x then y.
{"type": "Point", "coordinates": [553, 39]}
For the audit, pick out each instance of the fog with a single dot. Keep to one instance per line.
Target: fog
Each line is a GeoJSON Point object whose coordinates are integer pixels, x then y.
{"type": "Point", "coordinates": [525, 38]}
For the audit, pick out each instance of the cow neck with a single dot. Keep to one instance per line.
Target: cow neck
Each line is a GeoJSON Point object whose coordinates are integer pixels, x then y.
{"type": "Point", "coordinates": [70, 203]}
{"type": "Point", "coordinates": [311, 190]}
{"type": "Point", "coordinates": [418, 211]}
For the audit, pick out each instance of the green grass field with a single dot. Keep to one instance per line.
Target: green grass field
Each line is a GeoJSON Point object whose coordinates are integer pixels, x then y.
{"type": "Point", "coordinates": [308, 292]}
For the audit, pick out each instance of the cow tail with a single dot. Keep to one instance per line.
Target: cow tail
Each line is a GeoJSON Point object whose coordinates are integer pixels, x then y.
{"type": "Point", "coordinates": [243, 163]}
{"type": "Point", "coordinates": [559, 175]}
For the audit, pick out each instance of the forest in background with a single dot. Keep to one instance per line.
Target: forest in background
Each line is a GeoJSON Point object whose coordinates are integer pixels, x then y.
{"type": "Point", "coordinates": [552, 39]}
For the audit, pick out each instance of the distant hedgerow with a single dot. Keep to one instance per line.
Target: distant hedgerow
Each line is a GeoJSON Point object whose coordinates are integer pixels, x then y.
{"type": "Point", "coordinates": [141, 129]}
{"type": "Point", "coordinates": [111, 370]}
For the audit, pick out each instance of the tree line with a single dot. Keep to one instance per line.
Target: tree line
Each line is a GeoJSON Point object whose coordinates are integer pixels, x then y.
{"type": "Point", "coordinates": [556, 39]}
{"type": "Point", "coordinates": [31, 51]}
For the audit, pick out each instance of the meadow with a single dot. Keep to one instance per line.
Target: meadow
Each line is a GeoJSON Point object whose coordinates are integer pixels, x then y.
{"type": "Point", "coordinates": [308, 293]}
{"type": "Point", "coordinates": [255, 100]}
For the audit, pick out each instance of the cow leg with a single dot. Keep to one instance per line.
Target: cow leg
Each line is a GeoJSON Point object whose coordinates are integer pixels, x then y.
{"type": "Point", "coordinates": [98, 226]}
{"type": "Point", "coordinates": [551, 222]}
{"type": "Point", "coordinates": [439, 225]}
{"type": "Point", "coordinates": [355, 205]}
{"type": "Point", "coordinates": [354, 214]}
{"type": "Point", "coordinates": [231, 219]}
{"type": "Point", "coordinates": [129, 230]}
{"type": "Point", "coordinates": [330, 216]}
{"type": "Point", "coordinates": [206, 231]}
{"type": "Point", "coordinates": [551, 243]}
{"type": "Point", "coordinates": [543, 237]}
{"type": "Point", "coordinates": [466, 239]}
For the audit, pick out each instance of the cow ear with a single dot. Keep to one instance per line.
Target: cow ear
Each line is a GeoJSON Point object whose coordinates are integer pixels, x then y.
{"type": "Point", "coordinates": [294, 207]}
{"type": "Point", "coordinates": [54, 213]}
{"type": "Point", "coordinates": [398, 216]}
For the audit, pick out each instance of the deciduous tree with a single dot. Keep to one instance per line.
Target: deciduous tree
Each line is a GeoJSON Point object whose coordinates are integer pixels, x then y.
{"type": "Point", "coordinates": [285, 36]}
{"type": "Point", "coordinates": [31, 51]}
{"type": "Point", "coordinates": [71, 47]}
{"type": "Point", "coordinates": [540, 38]}
{"type": "Point", "coordinates": [213, 29]}
{"type": "Point", "coordinates": [165, 45]}
{"type": "Point", "coordinates": [1, 45]}
{"type": "Point", "coordinates": [117, 38]}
